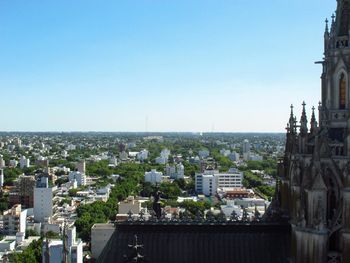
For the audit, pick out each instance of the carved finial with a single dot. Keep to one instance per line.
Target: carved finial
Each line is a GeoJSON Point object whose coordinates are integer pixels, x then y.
{"type": "Point", "coordinates": [290, 127]}
{"type": "Point", "coordinates": [326, 31]}
{"type": "Point", "coordinates": [333, 18]}
{"type": "Point", "coordinates": [313, 122]}
{"type": "Point", "coordinates": [303, 121]}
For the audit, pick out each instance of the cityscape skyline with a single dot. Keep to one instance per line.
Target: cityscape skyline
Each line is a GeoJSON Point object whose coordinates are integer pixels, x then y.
{"type": "Point", "coordinates": [159, 66]}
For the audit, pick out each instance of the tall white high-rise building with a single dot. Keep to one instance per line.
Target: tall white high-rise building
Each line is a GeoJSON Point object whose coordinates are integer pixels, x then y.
{"type": "Point", "coordinates": [43, 203]}
{"type": "Point", "coordinates": [245, 146]}
{"type": "Point", "coordinates": [180, 171]}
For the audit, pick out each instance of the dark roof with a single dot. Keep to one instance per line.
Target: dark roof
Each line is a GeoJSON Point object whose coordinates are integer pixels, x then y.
{"type": "Point", "coordinates": [236, 243]}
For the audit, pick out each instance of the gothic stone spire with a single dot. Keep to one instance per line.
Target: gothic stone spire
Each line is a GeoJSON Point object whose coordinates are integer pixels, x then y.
{"type": "Point", "coordinates": [343, 18]}
{"type": "Point", "coordinates": [303, 121]}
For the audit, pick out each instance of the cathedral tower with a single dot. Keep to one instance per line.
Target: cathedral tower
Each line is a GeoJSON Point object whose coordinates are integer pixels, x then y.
{"type": "Point", "coordinates": [315, 172]}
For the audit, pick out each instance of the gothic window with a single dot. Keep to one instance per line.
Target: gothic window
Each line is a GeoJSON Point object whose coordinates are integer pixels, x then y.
{"type": "Point", "coordinates": [342, 92]}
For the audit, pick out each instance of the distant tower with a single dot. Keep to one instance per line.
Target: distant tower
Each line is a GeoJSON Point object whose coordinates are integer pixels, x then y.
{"type": "Point", "coordinates": [246, 146]}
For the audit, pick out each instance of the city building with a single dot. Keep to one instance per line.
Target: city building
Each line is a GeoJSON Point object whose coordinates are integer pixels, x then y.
{"type": "Point", "coordinates": [14, 220]}
{"type": "Point", "coordinates": [245, 146]}
{"type": "Point", "coordinates": [142, 155]}
{"type": "Point", "coordinates": [79, 177]}
{"type": "Point", "coordinates": [52, 251]}
{"type": "Point", "coordinates": [75, 245]}
{"type": "Point", "coordinates": [153, 176]}
{"type": "Point", "coordinates": [43, 203]}
{"type": "Point", "coordinates": [180, 171]}
{"type": "Point", "coordinates": [234, 156]}
{"type": "Point", "coordinates": [1, 177]}
{"type": "Point", "coordinates": [170, 170]}
{"type": "Point", "coordinates": [81, 167]}
{"type": "Point", "coordinates": [23, 192]}
{"type": "Point", "coordinates": [2, 162]}
{"type": "Point", "coordinates": [208, 182]}
{"type": "Point", "coordinates": [161, 160]}
{"type": "Point", "coordinates": [24, 162]}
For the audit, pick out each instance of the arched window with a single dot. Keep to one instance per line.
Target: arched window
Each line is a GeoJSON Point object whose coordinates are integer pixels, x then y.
{"type": "Point", "coordinates": [342, 91]}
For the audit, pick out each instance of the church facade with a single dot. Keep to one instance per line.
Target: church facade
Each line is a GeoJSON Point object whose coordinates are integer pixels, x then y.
{"type": "Point", "coordinates": [314, 189]}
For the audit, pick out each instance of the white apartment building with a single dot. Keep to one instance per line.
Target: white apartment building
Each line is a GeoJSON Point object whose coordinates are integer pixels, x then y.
{"type": "Point", "coordinates": [14, 220]}
{"type": "Point", "coordinates": [208, 182]}
{"type": "Point", "coordinates": [77, 176]}
{"type": "Point", "coordinates": [175, 172]}
{"type": "Point", "coordinates": [142, 155]}
{"type": "Point", "coordinates": [2, 162]}
{"type": "Point", "coordinates": [255, 157]}
{"type": "Point", "coordinates": [24, 162]}
{"type": "Point", "coordinates": [165, 153]}
{"type": "Point", "coordinates": [161, 160]}
{"type": "Point", "coordinates": [170, 171]}
{"type": "Point", "coordinates": [55, 251]}
{"type": "Point", "coordinates": [43, 203]}
{"type": "Point", "coordinates": [1, 177]}
{"type": "Point", "coordinates": [245, 146]}
{"type": "Point", "coordinates": [234, 156]}
{"type": "Point", "coordinates": [180, 171]}
{"type": "Point", "coordinates": [153, 176]}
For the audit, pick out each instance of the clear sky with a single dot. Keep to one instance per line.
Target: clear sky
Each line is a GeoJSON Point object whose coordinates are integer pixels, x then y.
{"type": "Point", "coordinates": [158, 65]}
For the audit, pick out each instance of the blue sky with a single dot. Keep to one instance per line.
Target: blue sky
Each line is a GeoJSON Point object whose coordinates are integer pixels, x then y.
{"type": "Point", "coordinates": [184, 65]}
